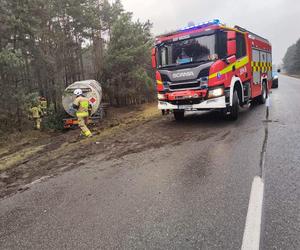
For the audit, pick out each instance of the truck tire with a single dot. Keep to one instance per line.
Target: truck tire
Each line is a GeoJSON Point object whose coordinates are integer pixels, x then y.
{"type": "Point", "coordinates": [234, 109]}
{"type": "Point", "coordinates": [262, 98]}
{"type": "Point", "coordinates": [275, 84]}
{"type": "Point", "coordinates": [179, 115]}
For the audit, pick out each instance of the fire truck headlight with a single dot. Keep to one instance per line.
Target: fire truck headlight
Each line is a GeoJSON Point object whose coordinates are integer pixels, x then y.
{"type": "Point", "coordinates": [216, 92]}
{"type": "Point", "coordinates": [161, 97]}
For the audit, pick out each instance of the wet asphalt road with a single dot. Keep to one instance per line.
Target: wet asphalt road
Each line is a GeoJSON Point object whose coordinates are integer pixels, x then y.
{"type": "Point", "coordinates": [282, 169]}
{"type": "Point", "coordinates": [190, 195]}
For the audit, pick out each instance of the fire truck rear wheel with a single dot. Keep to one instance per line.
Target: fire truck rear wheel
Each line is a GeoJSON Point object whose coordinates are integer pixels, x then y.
{"type": "Point", "coordinates": [179, 115]}
{"type": "Point", "coordinates": [262, 98]}
{"type": "Point", "coordinates": [234, 109]}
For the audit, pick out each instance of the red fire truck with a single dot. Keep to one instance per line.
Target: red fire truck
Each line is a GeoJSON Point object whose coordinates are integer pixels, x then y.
{"type": "Point", "coordinates": [211, 67]}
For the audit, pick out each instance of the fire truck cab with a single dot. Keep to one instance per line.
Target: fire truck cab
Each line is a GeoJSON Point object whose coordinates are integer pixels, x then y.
{"type": "Point", "coordinates": [211, 66]}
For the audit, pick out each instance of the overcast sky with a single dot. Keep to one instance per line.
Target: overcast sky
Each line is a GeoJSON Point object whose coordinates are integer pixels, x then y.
{"type": "Point", "coordinates": [276, 20]}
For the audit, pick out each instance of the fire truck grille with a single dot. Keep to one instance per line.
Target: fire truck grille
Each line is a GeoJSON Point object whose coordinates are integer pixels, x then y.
{"type": "Point", "coordinates": [187, 101]}
{"type": "Point", "coordinates": [187, 85]}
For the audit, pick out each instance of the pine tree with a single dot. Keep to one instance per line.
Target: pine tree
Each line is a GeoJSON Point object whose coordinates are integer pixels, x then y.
{"type": "Point", "coordinates": [288, 59]}
{"type": "Point", "coordinates": [45, 45]}
{"type": "Point", "coordinates": [296, 59]}
{"type": "Point", "coordinates": [128, 58]}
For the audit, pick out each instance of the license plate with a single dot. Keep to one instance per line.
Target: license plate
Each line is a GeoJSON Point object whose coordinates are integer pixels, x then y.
{"type": "Point", "coordinates": [185, 106]}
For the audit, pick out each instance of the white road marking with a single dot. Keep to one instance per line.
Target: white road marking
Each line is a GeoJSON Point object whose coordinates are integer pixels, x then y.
{"type": "Point", "coordinates": [268, 101]}
{"type": "Point", "coordinates": [251, 238]}
{"type": "Point", "coordinates": [38, 181]}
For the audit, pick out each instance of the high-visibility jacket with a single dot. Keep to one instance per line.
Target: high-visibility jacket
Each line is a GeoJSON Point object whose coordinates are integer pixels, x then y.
{"type": "Point", "coordinates": [82, 104]}
{"type": "Point", "coordinates": [36, 112]}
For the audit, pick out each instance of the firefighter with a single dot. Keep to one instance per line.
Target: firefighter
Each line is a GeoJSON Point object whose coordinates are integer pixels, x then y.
{"type": "Point", "coordinates": [36, 114]}
{"type": "Point", "coordinates": [43, 104]}
{"type": "Point", "coordinates": [83, 107]}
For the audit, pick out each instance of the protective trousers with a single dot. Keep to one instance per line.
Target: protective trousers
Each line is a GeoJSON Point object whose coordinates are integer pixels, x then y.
{"type": "Point", "coordinates": [82, 124]}
{"type": "Point", "coordinates": [37, 122]}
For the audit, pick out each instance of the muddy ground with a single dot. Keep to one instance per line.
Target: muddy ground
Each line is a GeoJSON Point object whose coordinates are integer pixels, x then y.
{"type": "Point", "coordinates": [32, 155]}
{"type": "Point", "coordinates": [29, 157]}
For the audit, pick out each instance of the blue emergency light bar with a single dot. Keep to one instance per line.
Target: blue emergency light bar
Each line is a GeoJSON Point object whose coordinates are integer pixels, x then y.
{"type": "Point", "coordinates": [202, 25]}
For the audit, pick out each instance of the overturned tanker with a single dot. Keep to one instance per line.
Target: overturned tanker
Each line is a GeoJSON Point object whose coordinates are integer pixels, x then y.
{"type": "Point", "coordinates": [93, 91]}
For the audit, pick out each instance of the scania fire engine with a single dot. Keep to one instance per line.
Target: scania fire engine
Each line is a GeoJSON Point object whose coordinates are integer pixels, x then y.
{"type": "Point", "coordinates": [211, 67]}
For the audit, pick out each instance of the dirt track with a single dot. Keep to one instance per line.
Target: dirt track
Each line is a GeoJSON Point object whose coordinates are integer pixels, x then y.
{"type": "Point", "coordinates": [124, 132]}
{"type": "Point", "coordinates": [37, 155]}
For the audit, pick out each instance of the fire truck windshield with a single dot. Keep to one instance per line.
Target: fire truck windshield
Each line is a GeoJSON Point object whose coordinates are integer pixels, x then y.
{"type": "Point", "coordinates": [192, 50]}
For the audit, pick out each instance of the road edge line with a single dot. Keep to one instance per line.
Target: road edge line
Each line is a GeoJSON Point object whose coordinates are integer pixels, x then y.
{"type": "Point", "coordinates": [251, 237]}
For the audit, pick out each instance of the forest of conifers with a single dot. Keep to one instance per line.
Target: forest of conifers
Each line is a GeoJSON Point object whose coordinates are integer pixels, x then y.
{"type": "Point", "coordinates": [45, 45]}
{"type": "Point", "coordinates": [291, 60]}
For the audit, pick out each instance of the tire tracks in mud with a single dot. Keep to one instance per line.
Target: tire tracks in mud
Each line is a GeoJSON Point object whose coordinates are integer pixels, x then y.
{"type": "Point", "coordinates": [154, 133]}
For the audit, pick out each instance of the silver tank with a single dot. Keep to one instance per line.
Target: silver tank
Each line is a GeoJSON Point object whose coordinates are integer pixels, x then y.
{"type": "Point", "coordinates": [91, 89]}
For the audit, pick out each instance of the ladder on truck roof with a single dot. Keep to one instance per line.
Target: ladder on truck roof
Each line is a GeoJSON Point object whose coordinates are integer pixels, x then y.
{"type": "Point", "coordinates": [251, 33]}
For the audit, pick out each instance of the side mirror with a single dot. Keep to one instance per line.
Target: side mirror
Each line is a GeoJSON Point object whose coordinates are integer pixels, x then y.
{"type": "Point", "coordinates": [278, 70]}
{"type": "Point", "coordinates": [230, 59]}
{"type": "Point", "coordinates": [231, 43]}
{"type": "Point", "coordinates": [153, 55]}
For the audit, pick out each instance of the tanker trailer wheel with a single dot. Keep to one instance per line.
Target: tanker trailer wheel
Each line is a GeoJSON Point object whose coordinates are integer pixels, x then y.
{"type": "Point", "coordinates": [179, 115]}
{"type": "Point", "coordinates": [234, 109]}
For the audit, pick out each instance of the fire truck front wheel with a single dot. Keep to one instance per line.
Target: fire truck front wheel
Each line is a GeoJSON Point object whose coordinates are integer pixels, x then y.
{"type": "Point", "coordinates": [179, 115]}
{"type": "Point", "coordinates": [234, 109]}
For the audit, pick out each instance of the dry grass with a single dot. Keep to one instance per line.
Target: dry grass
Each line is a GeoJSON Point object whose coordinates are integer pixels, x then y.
{"type": "Point", "coordinates": [33, 155]}
{"type": "Point", "coordinates": [18, 151]}
{"type": "Point", "coordinates": [117, 124]}
{"type": "Point", "coordinates": [18, 157]}
{"type": "Point", "coordinates": [126, 122]}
